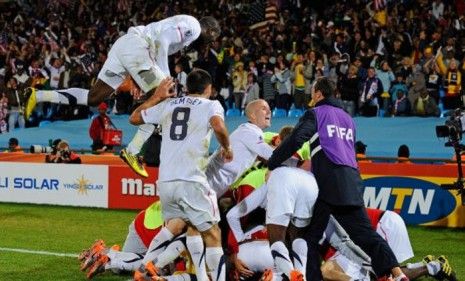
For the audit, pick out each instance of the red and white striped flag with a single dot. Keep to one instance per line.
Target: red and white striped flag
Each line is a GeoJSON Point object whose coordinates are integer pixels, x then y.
{"type": "Point", "coordinates": [379, 4]}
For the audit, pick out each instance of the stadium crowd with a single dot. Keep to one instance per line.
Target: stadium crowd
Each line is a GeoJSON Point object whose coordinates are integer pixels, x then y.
{"type": "Point", "coordinates": [392, 58]}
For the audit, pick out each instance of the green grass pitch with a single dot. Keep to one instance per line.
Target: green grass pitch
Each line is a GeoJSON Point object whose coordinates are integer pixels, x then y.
{"type": "Point", "coordinates": [69, 230]}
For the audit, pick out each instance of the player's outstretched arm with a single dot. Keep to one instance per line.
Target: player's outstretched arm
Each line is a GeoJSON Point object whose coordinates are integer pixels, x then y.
{"type": "Point", "coordinates": [162, 92]}
{"type": "Point", "coordinates": [221, 133]}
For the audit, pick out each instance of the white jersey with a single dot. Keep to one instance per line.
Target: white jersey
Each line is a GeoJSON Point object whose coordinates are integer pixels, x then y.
{"type": "Point", "coordinates": [247, 143]}
{"type": "Point", "coordinates": [185, 136]}
{"type": "Point", "coordinates": [168, 36]}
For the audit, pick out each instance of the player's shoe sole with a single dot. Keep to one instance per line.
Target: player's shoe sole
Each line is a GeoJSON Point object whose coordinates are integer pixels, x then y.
{"type": "Point", "coordinates": [296, 275]}
{"type": "Point", "coordinates": [446, 272]}
{"type": "Point", "coordinates": [31, 102]}
{"type": "Point", "coordinates": [85, 253]}
{"type": "Point", "coordinates": [98, 266]}
{"type": "Point", "coordinates": [267, 275]}
{"type": "Point", "coordinates": [149, 272]}
{"type": "Point", "coordinates": [97, 249]}
{"type": "Point", "coordinates": [133, 162]}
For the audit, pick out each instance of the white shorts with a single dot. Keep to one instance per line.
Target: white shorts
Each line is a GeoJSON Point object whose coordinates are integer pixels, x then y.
{"type": "Point", "coordinates": [131, 54]}
{"type": "Point", "coordinates": [354, 270]}
{"type": "Point", "coordinates": [292, 193]}
{"type": "Point", "coordinates": [256, 255]}
{"type": "Point", "coordinates": [133, 242]}
{"type": "Point", "coordinates": [392, 228]}
{"type": "Point", "coordinates": [190, 201]}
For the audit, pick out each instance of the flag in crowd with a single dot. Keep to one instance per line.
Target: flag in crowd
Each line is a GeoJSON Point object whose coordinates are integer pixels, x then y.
{"type": "Point", "coordinates": [262, 15]}
{"type": "Point", "coordinates": [87, 63]}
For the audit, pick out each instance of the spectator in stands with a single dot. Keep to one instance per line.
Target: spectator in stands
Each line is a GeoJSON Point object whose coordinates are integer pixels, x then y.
{"type": "Point", "coordinates": [425, 106]}
{"type": "Point", "coordinates": [269, 94]}
{"type": "Point", "coordinates": [452, 83]}
{"type": "Point", "coordinates": [180, 80]}
{"type": "Point", "coordinates": [63, 154]}
{"type": "Point", "coordinates": [360, 152]}
{"type": "Point", "coordinates": [418, 84]}
{"type": "Point", "coordinates": [348, 88]}
{"type": "Point", "coordinates": [13, 146]}
{"type": "Point", "coordinates": [239, 81]}
{"type": "Point", "coordinates": [309, 67]}
{"type": "Point", "coordinates": [215, 96]}
{"type": "Point", "coordinates": [15, 105]}
{"type": "Point", "coordinates": [386, 76]}
{"type": "Point", "coordinates": [98, 126]}
{"type": "Point", "coordinates": [21, 75]}
{"type": "Point", "coordinates": [252, 90]}
{"type": "Point", "coordinates": [298, 78]}
{"type": "Point", "coordinates": [371, 89]}
{"type": "Point", "coordinates": [3, 113]}
{"type": "Point", "coordinates": [401, 106]}
{"type": "Point", "coordinates": [282, 80]}
{"type": "Point", "coordinates": [403, 154]}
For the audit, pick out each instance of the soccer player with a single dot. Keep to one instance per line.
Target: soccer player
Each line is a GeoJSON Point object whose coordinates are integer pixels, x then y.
{"type": "Point", "coordinates": [182, 184]}
{"type": "Point", "coordinates": [142, 53]}
{"type": "Point", "coordinates": [331, 133]}
{"type": "Point", "coordinates": [291, 216]}
{"type": "Point", "coordinates": [247, 144]}
{"type": "Point", "coordinates": [390, 226]}
{"type": "Point", "coordinates": [98, 259]}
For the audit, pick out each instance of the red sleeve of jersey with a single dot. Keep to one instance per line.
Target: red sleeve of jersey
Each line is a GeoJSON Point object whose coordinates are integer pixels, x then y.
{"type": "Point", "coordinates": [242, 192]}
{"type": "Point", "coordinates": [232, 243]}
{"type": "Point", "coordinates": [374, 215]}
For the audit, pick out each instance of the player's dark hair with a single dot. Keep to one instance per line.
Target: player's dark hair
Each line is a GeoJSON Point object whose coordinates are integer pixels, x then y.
{"type": "Point", "coordinates": [197, 81]}
{"type": "Point", "coordinates": [325, 86]}
{"type": "Point", "coordinates": [210, 27]}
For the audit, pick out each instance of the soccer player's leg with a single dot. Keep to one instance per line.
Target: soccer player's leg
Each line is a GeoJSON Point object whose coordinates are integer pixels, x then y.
{"type": "Point", "coordinates": [147, 75]}
{"type": "Point", "coordinates": [201, 208]}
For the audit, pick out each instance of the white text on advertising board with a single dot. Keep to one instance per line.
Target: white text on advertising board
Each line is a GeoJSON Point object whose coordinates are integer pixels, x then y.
{"type": "Point", "coordinates": [137, 187]}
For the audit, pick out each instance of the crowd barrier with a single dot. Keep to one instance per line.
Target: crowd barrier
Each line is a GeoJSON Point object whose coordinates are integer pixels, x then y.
{"type": "Point", "coordinates": [412, 190]}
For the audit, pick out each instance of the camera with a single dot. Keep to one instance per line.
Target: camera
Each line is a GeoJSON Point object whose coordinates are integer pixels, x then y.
{"type": "Point", "coordinates": [453, 131]}
{"type": "Point", "coordinates": [453, 128]}
{"type": "Point", "coordinates": [37, 148]}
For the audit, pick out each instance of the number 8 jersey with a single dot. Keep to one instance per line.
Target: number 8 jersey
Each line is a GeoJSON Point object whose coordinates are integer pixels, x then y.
{"type": "Point", "coordinates": [186, 134]}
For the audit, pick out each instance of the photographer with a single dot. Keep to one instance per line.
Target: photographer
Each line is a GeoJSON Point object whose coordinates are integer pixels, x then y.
{"type": "Point", "coordinates": [62, 154]}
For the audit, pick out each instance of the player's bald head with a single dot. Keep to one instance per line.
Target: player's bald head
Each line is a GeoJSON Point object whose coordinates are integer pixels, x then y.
{"type": "Point", "coordinates": [252, 106]}
{"type": "Point", "coordinates": [258, 112]}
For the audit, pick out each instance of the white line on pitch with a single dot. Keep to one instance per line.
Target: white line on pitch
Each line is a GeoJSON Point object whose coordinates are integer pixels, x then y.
{"type": "Point", "coordinates": [38, 252]}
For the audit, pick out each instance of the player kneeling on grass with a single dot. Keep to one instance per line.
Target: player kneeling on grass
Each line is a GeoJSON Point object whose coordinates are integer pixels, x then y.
{"type": "Point", "coordinates": [145, 226]}
{"type": "Point", "coordinates": [289, 216]}
{"type": "Point", "coordinates": [391, 227]}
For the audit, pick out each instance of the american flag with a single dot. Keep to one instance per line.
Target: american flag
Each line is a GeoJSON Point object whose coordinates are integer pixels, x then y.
{"type": "Point", "coordinates": [260, 15]}
{"type": "Point", "coordinates": [87, 63]}
{"type": "Point", "coordinates": [379, 4]}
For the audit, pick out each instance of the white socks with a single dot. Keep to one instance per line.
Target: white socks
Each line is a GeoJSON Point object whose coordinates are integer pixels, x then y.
{"type": "Point", "coordinates": [196, 249]}
{"type": "Point", "coordinates": [63, 96]}
{"type": "Point", "coordinates": [158, 244]}
{"type": "Point", "coordinates": [124, 261]}
{"type": "Point", "coordinates": [433, 267]}
{"type": "Point", "coordinates": [143, 133]}
{"type": "Point", "coordinates": [281, 258]}
{"type": "Point", "coordinates": [216, 263]}
{"type": "Point", "coordinates": [300, 249]}
{"type": "Point", "coordinates": [172, 251]}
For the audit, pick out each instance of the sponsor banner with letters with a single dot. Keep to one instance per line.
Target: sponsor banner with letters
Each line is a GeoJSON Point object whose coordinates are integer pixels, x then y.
{"type": "Point", "coordinates": [57, 184]}
{"type": "Point", "coordinates": [130, 191]}
{"type": "Point", "coordinates": [414, 191]}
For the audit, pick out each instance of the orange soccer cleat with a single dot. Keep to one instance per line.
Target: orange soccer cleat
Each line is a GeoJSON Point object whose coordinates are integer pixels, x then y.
{"type": "Point", "coordinates": [92, 254]}
{"type": "Point", "coordinates": [296, 275]}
